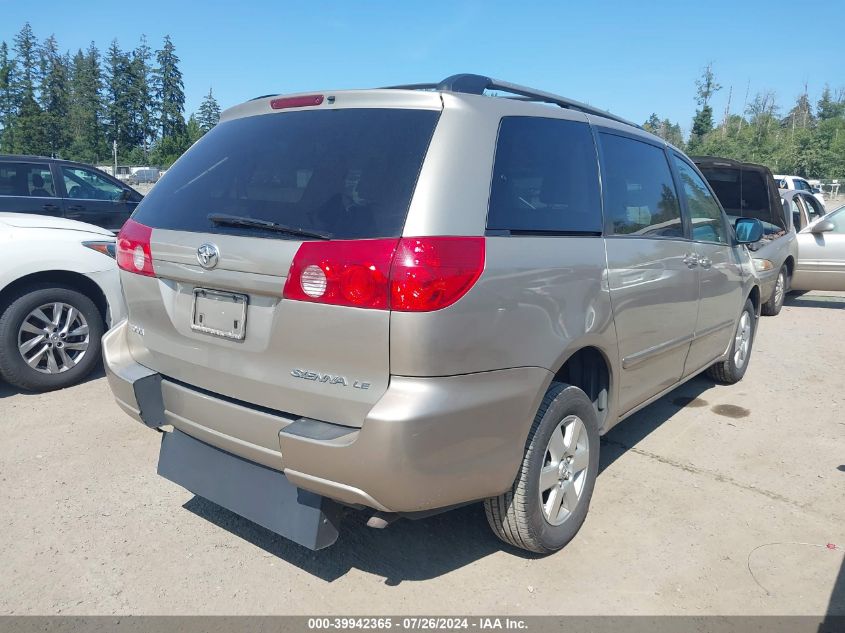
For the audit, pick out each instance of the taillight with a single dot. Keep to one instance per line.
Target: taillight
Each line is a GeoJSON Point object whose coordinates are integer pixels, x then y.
{"type": "Point", "coordinates": [339, 272]}
{"type": "Point", "coordinates": [430, 273]}
{"type": "Point", "coordinates": [133, 249]}
{"type": "Point", "coordinates": [412, 274]}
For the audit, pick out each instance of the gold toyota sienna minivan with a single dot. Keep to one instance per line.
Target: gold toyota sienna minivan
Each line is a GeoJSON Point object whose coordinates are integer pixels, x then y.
{"type": "Point", "coordinates": [407, 299]}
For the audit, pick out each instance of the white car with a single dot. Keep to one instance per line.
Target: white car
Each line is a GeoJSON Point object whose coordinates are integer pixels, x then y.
{"type": "Point", "coordinates": [799, 184]}
{"type": "Point", "coordinates": [59, 291]}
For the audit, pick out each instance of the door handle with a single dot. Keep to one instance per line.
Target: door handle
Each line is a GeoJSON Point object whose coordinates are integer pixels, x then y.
{"type": "Point", "coordinates": [76, 207]}
{"type": "Point", "coordinates": [691, 261]}
{"type": "Point", "coordinates": [50, 207]}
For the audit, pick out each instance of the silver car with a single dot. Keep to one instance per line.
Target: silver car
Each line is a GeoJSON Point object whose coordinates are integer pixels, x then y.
{"type": "Point", "coordinates": [407, 299]}
{"type": "Point", "coordinates": [749, 190]}
{"type": "Point", "coordinates": [821, 252]}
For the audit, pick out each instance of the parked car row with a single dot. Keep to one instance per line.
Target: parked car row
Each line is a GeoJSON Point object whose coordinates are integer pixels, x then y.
{"type": "Point", "coordinates": [749, 190]}
{"type": "Point", "coordinates": [64, 189]}
{"type": "Point", "coordinates": [408, 299]}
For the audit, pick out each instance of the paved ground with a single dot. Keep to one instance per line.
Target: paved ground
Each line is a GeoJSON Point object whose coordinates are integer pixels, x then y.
{"type": "Point", "coordinates": [713, 500]}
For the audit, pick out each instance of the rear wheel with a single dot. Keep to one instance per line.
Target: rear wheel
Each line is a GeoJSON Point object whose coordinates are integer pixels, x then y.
{"type": "Point", "coordinates": [49, 338]}
{"type": "Point", "coordinates": [775, 302]}
{"type": "Point", "coordinates": [548, 502]}
{"type": "Point", "coordinates": [733, 368]}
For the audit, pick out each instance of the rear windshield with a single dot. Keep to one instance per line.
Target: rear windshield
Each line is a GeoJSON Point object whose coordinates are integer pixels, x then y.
{"type": "Point", "coordinates": [346, 173]}
{"type": "Point", "coordinates": [738, 190]}
{"type": "Point", "coordinates": [743, 193]}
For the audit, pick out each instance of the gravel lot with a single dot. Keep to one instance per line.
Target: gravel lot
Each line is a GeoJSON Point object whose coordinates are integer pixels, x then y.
{"type": "Point", "coordinates": [714, 500]}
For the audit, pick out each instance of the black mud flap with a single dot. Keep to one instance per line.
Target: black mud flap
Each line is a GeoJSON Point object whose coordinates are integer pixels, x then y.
{"type": "Point", "coordinates": [255, 492]}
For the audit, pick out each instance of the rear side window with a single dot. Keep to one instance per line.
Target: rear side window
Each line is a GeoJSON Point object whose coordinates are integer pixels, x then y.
{"type": "Point", "coordinates": [545, 178]}
{"type": "Point", "coordinates": [346, 173]}
{"type": "Point", "coordinates": [26, 179]}
{"type": "Point", "coordinates": [640, 197]}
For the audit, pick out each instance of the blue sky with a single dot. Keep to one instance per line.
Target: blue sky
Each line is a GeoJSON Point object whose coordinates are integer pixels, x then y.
{"type": "Point", "coordinates": [632, 58]}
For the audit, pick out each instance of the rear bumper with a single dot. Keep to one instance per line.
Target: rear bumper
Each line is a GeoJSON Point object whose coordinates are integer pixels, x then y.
{"type": "Point", "coordinates": [428, 443]}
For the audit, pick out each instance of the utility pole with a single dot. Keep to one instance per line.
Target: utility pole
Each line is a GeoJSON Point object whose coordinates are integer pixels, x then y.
{"type": "Point", "coordinates": [744, 104]}
{"type": "Point", "coordinates": [114, 150]}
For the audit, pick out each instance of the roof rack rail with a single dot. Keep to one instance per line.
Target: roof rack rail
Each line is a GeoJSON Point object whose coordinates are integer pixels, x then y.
{"type": "Point", "coordinates": [477, 84]}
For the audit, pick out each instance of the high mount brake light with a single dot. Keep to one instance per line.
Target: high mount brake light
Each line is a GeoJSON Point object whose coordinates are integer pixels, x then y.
{"type": "Point", "coordinates": [133, 249]}
{"type": "Point", "coordinates": [296, 102]}
{"type": "Point", "coordinates": [411, 274]}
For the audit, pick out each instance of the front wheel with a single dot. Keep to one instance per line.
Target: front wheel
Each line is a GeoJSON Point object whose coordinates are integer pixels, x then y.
{"type": "Point", "coordinates": [49, 338]}
{"type": "Point", "coordinates": [733, 368]}
{"type": "Point", "coordinates": [548, 502]}
{"type": "Point", "coordinates": [775, 303]}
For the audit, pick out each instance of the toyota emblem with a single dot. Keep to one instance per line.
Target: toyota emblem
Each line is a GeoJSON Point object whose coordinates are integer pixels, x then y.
{"type": "Point", "coordinates": [208, 255]}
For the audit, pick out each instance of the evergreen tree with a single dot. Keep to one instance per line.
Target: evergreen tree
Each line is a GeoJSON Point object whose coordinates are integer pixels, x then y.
{"type": "Point", "coordinates": [141, 98]}
{"type": "Point", "coordinates": [828, 107]}
{"type": "Point", "coordinates": [7, 100]}
{"type": "Point", "coordinates": [652, 124]}
{"type": "Point", "coordinates": [118, 96]}
{"type": "Point", "coordinates": [26, 62]}
{"type": "Point", "coordinates": [193, 131]}
{"type": "Point", "coordinates": [672, 133]}
{"type": "Point", "coordinates": [29, 135]}
{"type": "Point", "coordinates": [702, 122]}
{"type": "Point", "coordinates": [54, 99]}
{"type": "Point", "coordinates": [801, 115]}
{"type": "Point", "coordinates": [27, 124]}
{"type": "Point", "coordinates": [88, 141]}
{"type": "Point", "coordinates": [665, 129]}
{"type": "Point", "coordinates": [209, 113]}
{"type": "Point", "coordinates": [169, 90]}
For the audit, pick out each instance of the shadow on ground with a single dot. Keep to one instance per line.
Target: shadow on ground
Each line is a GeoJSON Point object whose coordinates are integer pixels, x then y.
{"type": "Point", "coordinates": [836, 607]}
{"type": "Point", "coordinates": [7, 390]}
{"type": "Point", "coordinates": [633, 430]}
{"type": "Point", "coordinates": [427, 548]}
{"type": "Point", "coordinates": [829, 302]}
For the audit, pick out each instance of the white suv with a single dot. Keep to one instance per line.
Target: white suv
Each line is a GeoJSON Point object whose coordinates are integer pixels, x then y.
{"type": "Point", "coordinates": [799, 184]}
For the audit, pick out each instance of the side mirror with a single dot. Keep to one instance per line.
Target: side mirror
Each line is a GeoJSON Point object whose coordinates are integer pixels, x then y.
{"type": "Point", "coordinates": [823, 226]}
{"type": "Point", "coordinates": [748, 230]}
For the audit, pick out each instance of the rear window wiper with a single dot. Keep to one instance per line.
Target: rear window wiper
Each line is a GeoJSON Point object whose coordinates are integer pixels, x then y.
{"type": "Point", "coordinates": [255, 223]}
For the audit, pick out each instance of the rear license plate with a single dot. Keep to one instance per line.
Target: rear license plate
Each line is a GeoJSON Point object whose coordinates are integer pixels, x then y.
{"type": "Point", "coordinates": [219, 313]}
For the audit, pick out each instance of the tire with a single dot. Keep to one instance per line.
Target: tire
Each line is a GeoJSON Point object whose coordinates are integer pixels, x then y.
{"type": "Point", "coordinates": [775, 303]}
{"type": "Point", "coordinates": [732, 370]}
{"type": "Point", "coordinates": [520, 516]}
{"type": "Point", "coordinates": [75, 349]}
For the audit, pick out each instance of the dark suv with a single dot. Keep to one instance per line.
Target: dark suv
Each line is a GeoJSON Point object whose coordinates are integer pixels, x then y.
{"type": "Point", "coordinates": [48, 186]}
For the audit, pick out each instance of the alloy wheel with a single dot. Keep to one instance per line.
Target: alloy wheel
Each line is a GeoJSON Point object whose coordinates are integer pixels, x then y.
{"type": "Point", "coordinates": [742, 340]}
{"type": "Point", "coordinates": [780, 286]}
{"type": "Point", "coordinates": [53, 338]}
{"type": "Point", "coordinates": [564, 470]}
